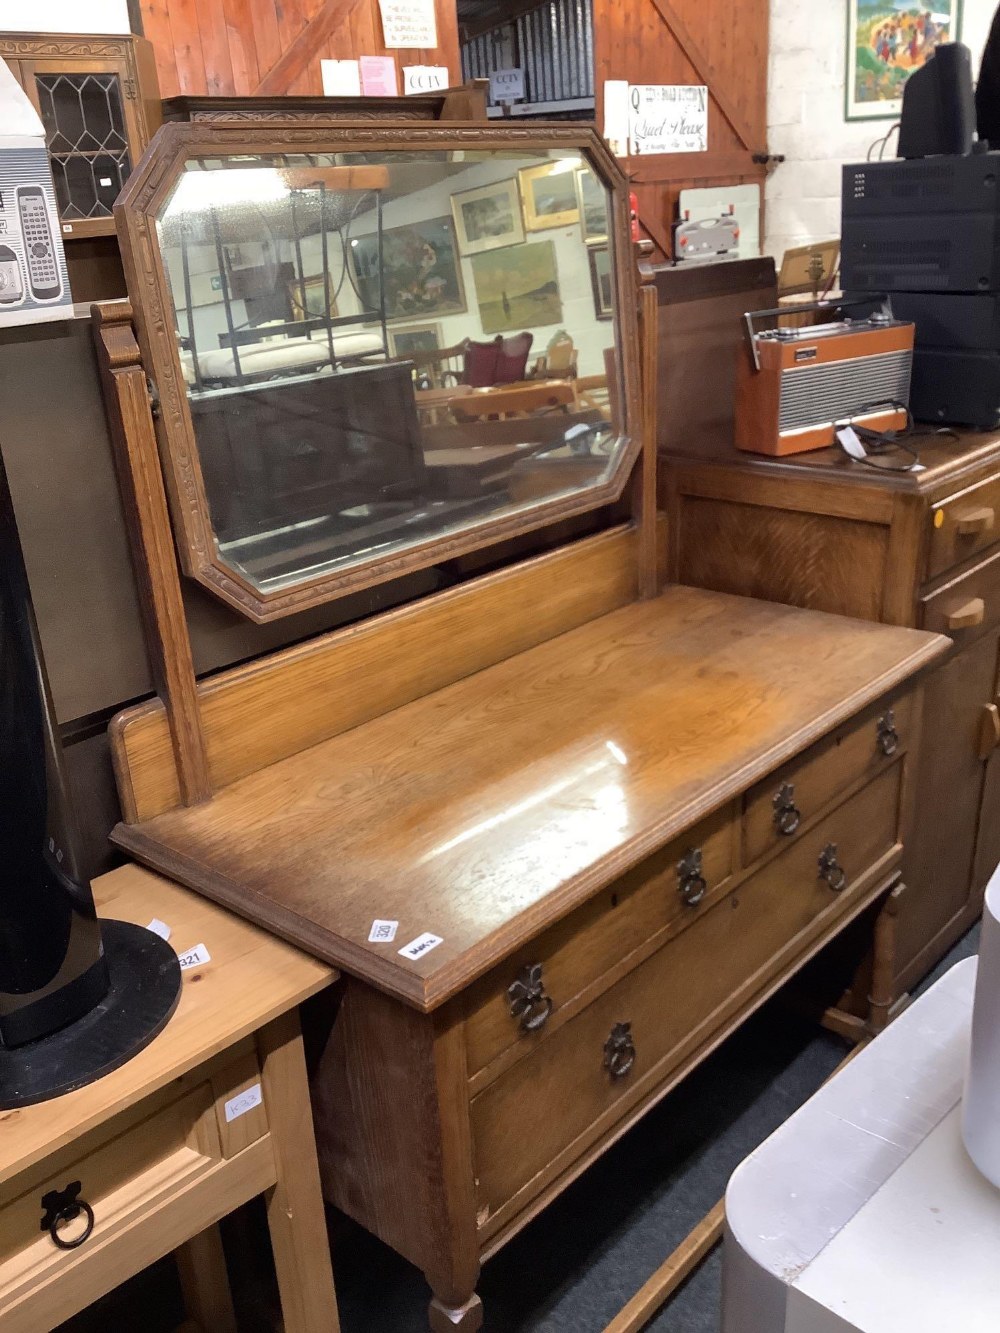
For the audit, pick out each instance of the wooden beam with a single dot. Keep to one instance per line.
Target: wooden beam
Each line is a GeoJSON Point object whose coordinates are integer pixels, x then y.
{"type": "Point", "coordinates": [706, 71]}
{"type": "Point", "coordinates": [655, 168]}
{"type": "Point", "coordinates": [296, 57]}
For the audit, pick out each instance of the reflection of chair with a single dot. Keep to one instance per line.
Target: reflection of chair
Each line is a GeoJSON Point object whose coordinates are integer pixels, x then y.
{"type": "Point", "coordinates": [558, 361]}
{"type": "Point", "coordinates": [502, 361]}
{"type": "Point", "coordinates": [516, 400]}
{"type": "Point", "coordinates": [438, 369]}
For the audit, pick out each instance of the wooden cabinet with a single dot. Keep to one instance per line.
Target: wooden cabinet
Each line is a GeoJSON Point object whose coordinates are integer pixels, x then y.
{"type": "Point", "coordinates": [99, 103]}
{"type": "Point", "coordinates": [920, 548]}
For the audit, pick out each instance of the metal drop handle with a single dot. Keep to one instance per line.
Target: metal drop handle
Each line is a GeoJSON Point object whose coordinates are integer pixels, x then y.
{"type": "Point", "coordinates": [787, 815]}
{"type": "Point", "coordinates": [528, 1000]}
{"type": "Point", "coordinates": [830, 868]}
{"type": "Point", "coordinates": [888, 736]}
{"type": "Point", "coordinates": [691, 882]}
{"type": "Point", "coordinates": [619, 1051]}
{"type": "Point", "coordinates": [61, 1207]}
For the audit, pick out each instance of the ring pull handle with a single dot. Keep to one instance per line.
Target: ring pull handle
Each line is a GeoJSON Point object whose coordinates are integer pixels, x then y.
{"type": "Point", "coordinates": [787, 815]}
{"type": "Point", "coordinates": [619, 1051]}
{"type": "Point", "coordinates": [529, 1003]}
{"type": "Point", "coordinates": [691, 882]}
{"type": "Point", "coordinates": [60, 1207]}
{"type": "Point", "coordinates": [830, 868]}
{"type": "Point", "coordinates": [888, 736]}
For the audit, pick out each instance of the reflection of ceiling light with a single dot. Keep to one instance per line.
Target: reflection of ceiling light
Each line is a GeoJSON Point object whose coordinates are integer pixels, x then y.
{"type": "Point", "coordinates": [565, 164]}
{"type": "Point", "coordinates": [198, 190]}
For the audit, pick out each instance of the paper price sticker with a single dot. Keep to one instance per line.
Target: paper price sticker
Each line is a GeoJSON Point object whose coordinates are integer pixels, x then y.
{"type": "Point", "coordinates": [194, 957]}
{"type": "Point", "coordinates": [243, 1102]}
{"type": "Point", "coordinates": [421, 945]}
{"type": "Point", "coordinates": [383, 932]}
{"type": "Point", "coordinates": [160, 928]}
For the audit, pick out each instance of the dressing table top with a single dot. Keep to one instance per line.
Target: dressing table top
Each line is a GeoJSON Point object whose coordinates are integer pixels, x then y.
{"type": "Point", "coordinates": [485, 811]}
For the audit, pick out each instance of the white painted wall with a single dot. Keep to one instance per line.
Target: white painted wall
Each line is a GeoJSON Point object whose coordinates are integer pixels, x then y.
{"type": "Point", "coordinates": [805, 114]}
{"type": "Point", "coordinates": [63, 16]}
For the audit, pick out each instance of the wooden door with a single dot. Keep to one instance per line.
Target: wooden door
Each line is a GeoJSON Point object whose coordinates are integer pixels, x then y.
{"type": "Point", "coordinates": [716, 43]}
{"type": "Point", "coordinates": [93, 127]}
{"type": "Point", "coordinates": [939, 868]}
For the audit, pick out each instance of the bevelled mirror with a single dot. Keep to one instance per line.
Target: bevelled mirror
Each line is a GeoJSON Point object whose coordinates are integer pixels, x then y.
{"type": "Point", "coordinates": [375, 348]}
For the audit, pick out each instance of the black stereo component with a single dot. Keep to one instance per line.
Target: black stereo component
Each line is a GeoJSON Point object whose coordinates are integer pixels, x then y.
{"type": "Point", "coordinates": [929, 225]}
{"type": "Point", "coordinates": [77, 996]}
{"type": "Point", "coordinates": [939, 108]}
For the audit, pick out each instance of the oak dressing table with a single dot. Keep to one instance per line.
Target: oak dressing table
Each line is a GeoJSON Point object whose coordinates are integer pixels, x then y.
{"type": "Point", "coordinates": [559, 830]}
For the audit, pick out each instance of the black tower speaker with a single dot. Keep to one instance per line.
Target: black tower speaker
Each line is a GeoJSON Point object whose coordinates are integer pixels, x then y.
{"type": "Point", "coordinates": [939, 109]}
{"type": "Point", "coordinates": [78, 997]}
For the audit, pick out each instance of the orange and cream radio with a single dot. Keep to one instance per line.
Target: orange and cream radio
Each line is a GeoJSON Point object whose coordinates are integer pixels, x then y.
{"type": "Point", "coordinates": [795, 386]}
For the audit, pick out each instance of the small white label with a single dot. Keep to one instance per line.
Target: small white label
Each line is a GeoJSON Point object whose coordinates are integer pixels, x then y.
{"type": "Point", "coordinates": [421, 945]}
{"type": "Point", "coordinates": [194, 957]}
{"type": "Point", "coordinates": [106, 180]}
{"type": "Point", "coordinates": [383, 932]}
{"type": "Point", "coordinates": [67, 226]}
{"type": "Point", "coordinates": [506, 85]}
{"type": "Point", "coordinates": [850, 443]}
{"type": "Point", "coordinates": [243, 1102]}
{"type": "Point", "coordinates": [160, 928]}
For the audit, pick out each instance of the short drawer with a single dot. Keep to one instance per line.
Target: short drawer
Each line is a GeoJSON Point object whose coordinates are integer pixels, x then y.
{"type": "Point", "coordinates": [966, 604]}
{"type": "Point", "coordinates": [777, 808]}
{"type": "Point", "coordinates": [547, 1109]}
{"type": "Point", "coordinates": [962, 525]}
{"type": "Point", "coordinates": [520, 1000]}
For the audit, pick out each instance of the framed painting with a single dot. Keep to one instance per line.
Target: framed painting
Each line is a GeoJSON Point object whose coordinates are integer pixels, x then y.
{"type": "Point", "coordinates": [886, 41]}
{"type": "Point", "coordinates": [421, 270]}
{"type": "Point", "coordinates": [548, 195]}
{"type": "Point", "coordinates": [307, 297]}
{"type": "Point", "coordinates": [602, 281]}
{"type": "Point", "coordinates": [416, 340]}
{"type": "Point", "coordinates": [592, 202]}
{"type": "Point", "coordinates": [518, 288]}
{"type": "Point", "coordinates": [488, 218]}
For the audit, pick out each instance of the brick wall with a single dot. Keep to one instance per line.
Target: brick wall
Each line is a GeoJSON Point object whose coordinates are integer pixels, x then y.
{"type": "Point", "coordinates": [805, 115]}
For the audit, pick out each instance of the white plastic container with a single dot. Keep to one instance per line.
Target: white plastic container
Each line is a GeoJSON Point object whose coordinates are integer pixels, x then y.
{"type": "Point", "coordinates": [981, 1105]}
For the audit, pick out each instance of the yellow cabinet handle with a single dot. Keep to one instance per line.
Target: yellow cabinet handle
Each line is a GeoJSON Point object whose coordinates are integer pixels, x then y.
{"type": "Point", "coordinates": [967, 616]}
{"type": "Point", "coordinates": [989, 730]}
{"type": "Point", "coordinates": [974, 521]}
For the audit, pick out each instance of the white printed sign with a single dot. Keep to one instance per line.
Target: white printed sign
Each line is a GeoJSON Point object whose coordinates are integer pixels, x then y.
{"type": "Point", "coordinates": [616, 115]}
{"type": "Point", "coordinates": [507, 85]}
{"type": "Point", "coordinates": [244, 1101]}
{"type": "Point", "coordinates": [668, 118]}
{"type": "Point", "coordinates": [424, 78]}
{"type": "Point", "coordinates": [382, 932]}
{"type": "Point", "coordinates": [421, 945]}
{"type": "Point", "coordinates": [194, 957]}
{"type": "Point", "coordinates": [409, 24]}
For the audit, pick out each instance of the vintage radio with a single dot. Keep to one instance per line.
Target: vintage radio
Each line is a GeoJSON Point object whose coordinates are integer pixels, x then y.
{"type": "Point", "coordinates": [795, 385]}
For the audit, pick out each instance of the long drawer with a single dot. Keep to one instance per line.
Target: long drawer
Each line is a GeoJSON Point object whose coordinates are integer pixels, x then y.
{"type": "Point", "coordinates": [966, 604]}
{"type": "Point", "coordinates": [522, 1000]}
{"type": "Point", "coordinates": [536, 1115]}
{"type": "Point", "coordinates": [963, 525]}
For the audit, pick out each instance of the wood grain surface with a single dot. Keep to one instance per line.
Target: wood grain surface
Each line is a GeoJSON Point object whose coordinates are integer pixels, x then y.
{"type": "Point", "coordinates": [486, 811]}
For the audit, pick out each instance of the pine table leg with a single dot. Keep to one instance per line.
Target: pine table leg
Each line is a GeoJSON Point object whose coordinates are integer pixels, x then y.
{"type": "Point", "coordinates": [201, 1266]}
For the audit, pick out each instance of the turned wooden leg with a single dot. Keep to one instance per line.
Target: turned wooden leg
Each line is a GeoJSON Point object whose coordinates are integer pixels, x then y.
{"type": "Point", "coordinates": [465, 1318]}
{"type": "Point", "coordinates": [882, 999]}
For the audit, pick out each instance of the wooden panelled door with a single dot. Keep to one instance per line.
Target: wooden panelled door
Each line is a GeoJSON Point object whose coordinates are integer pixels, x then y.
{"type": "Point", "coordinates": [712, 42]}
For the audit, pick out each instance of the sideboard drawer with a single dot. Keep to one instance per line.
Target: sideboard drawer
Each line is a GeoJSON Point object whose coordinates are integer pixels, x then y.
{"type": "Point", "coordinates": [547, 1108]}
{"type": "Point", "coordinates": [962, 525]}
{"type": "Point", "coordinates": [576, 952]}
{"type": "Point", "coordinates": [967, 604]}
{"type": "Point", "coordinates": [777, 808]}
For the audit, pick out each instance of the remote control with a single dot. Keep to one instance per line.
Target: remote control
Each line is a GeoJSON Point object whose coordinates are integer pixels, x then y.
{"type": "Point", "coordinates": [11, 287]}
{"type": "Point", "coordinates": [43, 271]}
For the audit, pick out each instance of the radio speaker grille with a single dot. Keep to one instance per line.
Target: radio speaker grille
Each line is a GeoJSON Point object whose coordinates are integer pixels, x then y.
{"type": "Point", "coordinates": [814, 395]}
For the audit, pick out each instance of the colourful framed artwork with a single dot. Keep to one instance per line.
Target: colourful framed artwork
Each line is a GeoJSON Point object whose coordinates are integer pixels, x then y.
{"type": "Point", "coordinates": [592, 201]}
{"type": "Point", "coordinates": [488, 218]}
{"type": "Point", "coordinates": [548, 195]}
{"type": "Point", "coordinates": [886, 41]}
{"type": "Point", "coordinates": [307, 297]}
{"type": "Point", "coordinates": [421, 271]}
{"type": "Point", "coordinates": [518, 288]}
{"type": "Point", "coordinates": [417, 340]}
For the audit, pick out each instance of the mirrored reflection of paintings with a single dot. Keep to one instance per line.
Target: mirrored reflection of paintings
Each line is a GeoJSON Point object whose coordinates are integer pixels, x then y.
{"type": "Point", "coordinates": [601, 281]}
{"type": "Point", "coordinates": [488, 218]}
{"type": "Point", "coordinates": [887, 40]}
{"type": "Point", "coordinates": [593, 206]}
{"type": "Point", "coordinates": [519, 288]}
{"type": "Point", "coordinates": [548, 194]}
{"type": "Point", "coordinates": [358, 385]}
{"type": "Point", "coordinates": [420, 272]}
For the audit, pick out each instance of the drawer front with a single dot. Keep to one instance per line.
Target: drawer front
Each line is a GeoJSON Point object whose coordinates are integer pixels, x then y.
{"type": "Point", "coordinates": [967, 604]}
{"type": "Point", "coordinates": [963, 525]}
{"type": "Point", "coordinates": [776, 809]}
{"type": "Point", "coordinates": [538, 1110]}
{"type": "Point", "coordinates": [520, 1001]}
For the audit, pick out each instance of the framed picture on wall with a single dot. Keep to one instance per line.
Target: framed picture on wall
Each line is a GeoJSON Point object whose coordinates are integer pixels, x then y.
{"type": "Point", "coordinates": [886, 41]}
{"type": "Point", "coordinates": [488, 218]}
{"type": "Point", "coordinates": [518, 288]}
{"type": "Point", "coordinates": [307, 297]}
{"type": "Point", "coordinates": [548, 195]}
{"type": "Point", "coordinates": [416, 340]}
{"type": "Point", "coordinates": [421, 271]}
{"type": "Point", "coordinates": [601, 281]}
{"type": "Point", "coordinates": [592, 202]}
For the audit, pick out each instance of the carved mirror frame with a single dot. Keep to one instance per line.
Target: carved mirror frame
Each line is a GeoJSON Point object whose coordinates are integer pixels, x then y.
{"type": "Point", "coordinates": [136, 214]}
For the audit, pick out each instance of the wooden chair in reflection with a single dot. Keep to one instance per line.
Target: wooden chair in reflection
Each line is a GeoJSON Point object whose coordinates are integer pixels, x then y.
{"type": "Point", "coordinates": [504, 402]}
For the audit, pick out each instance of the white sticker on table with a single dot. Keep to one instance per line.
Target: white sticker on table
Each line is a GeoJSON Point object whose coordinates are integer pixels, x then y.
{"type": "Point", "coordinates": [194, 957]}
{"type": "Point", "coordinates": [160, 928]}
{"type": "Point", "coordinates": [383, 932]}
{"type": "Point", "coordinates": [243, 1102]}
{"type": "Point", "coordinates": [421, 945]}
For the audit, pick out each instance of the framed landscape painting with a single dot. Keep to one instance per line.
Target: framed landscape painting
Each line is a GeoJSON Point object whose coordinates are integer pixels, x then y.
{"type": "Point", "coordinates": [548, 196]}
{"type": "Point", "coordinates": [420, 339]}
{"type": "Point", "coordinates": [488, 218]}
{"type": "Point", "coordinates": [518, 288]}
{"type": "Point", "coordinates": [886, 41]}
